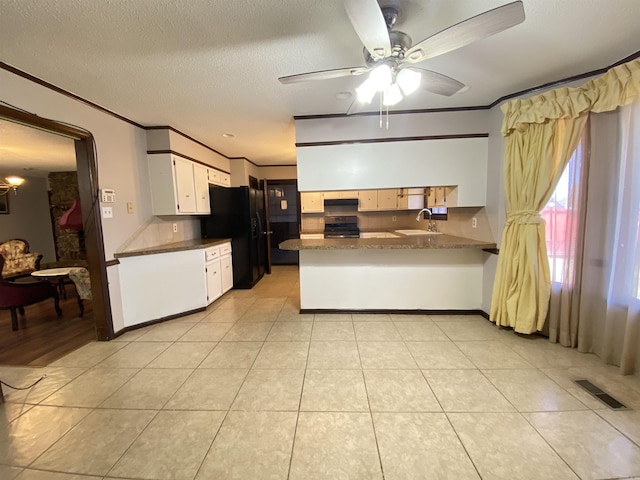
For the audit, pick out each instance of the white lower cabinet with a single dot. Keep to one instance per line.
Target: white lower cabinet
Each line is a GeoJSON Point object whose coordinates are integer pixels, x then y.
{"type": "Point", "coordinates": [226, 271]}
{"type": "Point", "coordinates": [218, 271]}
{"type": "Point", "coordinates": [226, 267]}
{"type": "Point", "coordinates": [214, 281]}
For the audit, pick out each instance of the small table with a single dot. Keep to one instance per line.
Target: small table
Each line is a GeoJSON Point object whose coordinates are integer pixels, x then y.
{"type": "Point", "coordinates": [55, 275]}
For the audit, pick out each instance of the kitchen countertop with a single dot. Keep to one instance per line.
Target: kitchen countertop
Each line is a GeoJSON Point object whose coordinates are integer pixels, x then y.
{"type": "Point", "coordinates": [402, 242]}
{"type": "Point", "coordinates": [174, 247]}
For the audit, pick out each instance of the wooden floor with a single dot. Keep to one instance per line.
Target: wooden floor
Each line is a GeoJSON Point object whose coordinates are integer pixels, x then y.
{"type": "Point", "coordinates": [44, 337]}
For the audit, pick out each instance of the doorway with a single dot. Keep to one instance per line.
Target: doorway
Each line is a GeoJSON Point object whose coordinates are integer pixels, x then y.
{"type": "Point", "coordinates": [82, 145]}
{"type": "Point", "coordinates": [284, 218]}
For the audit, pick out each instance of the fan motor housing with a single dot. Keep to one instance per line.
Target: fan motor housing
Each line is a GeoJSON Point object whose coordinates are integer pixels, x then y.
{"type": "Point", "coordinates": [400, 43]}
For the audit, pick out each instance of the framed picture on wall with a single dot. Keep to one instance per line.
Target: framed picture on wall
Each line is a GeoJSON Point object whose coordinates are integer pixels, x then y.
{"type": "Point", "coordinates": [4, 203]}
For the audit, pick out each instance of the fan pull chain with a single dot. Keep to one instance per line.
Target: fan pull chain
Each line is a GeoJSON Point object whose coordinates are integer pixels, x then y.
{"type": "Point", "coordinates": [381, 110]}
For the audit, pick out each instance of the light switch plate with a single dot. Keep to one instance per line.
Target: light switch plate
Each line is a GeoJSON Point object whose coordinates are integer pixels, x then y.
{"type": "Point", "coordinates": [107, 212]}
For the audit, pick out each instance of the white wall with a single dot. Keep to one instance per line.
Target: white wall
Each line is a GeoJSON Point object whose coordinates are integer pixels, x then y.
{"type": "Point", "coordinates": [121, 156]}
{"type": "Point", "coordinates": [241, 169]}
{"type": "Point", "coordinates": [121, 152]}
{"type": "Point", "coordinates": [391, 164]}
{"type": "Point", "coordinates": [400, 125]}
{"type": "Point", "coordinates": [289, 172]}
{"type": "Point", "coordinates": [29, 217]}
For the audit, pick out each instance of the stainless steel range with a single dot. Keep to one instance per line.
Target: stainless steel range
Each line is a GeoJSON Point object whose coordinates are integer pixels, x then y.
{"type": "Point", "coordinates": [344, 226]}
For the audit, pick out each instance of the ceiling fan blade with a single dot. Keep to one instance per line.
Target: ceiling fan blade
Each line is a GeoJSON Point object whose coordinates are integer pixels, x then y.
{"type": "Point", "coordinates": [323, 75]}
{"type": "Point", "coordinates": [467, 31]}
{"type": "Point", "coordinates": [368, 22]}
{"type": "Point", "coordinates": [435, 82]}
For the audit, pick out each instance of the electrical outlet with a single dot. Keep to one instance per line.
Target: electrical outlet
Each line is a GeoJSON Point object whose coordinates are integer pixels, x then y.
{"type": "Point", "coordinates": [107, 212]}
{"type": "Point", "coordinates": [393, 218]}
{"type": "Point", "coordinates": [175, 228]}
{"type": "Point", "coordinates": [129, 207]}
{"type": "Point", "coordinates": [474, 222]}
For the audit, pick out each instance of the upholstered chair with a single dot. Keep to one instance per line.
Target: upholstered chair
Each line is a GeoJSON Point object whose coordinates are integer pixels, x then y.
{"type": "Point", "coordinates": [80, 277]}
{"type": "Point", "coordinates": [15, 296]}
{"type": "Point", "coordinates": [18, 261]}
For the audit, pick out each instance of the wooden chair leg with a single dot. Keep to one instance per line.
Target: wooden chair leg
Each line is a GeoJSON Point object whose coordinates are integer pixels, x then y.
{"type": "Point", "coordinates": [81, 306]}
{"type": "Point", "coordinates": [14, 319]}
{"type": "Point", "coordinates": [21, 310]}
{"type": "Point", "coordinates": [56, 303]}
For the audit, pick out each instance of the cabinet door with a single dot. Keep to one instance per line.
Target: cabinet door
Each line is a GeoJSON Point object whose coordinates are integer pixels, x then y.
{"type": "Point", "coordinates": [201, 179]}
{"type": "Point", "coordinates": [185, 185]}
{"type": "Point", "coordinates": [226, 272]}
{"type": "Point", "coordinates": [214, 176]}
{"type": "Point", "coordinates": [388, 199]}
{"type": "Point", "coordinates": [367, 200]}
{"type": "Point", "coordinates": [225, 179]}
{"type": "Point", "coordinates": [312, 202]}
{"type": "Point", "coordinates": [214, 281]}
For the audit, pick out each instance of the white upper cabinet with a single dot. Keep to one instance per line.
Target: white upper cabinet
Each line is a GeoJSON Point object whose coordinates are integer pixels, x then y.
{"type": "Point", "coordinates": [185, 185]}
{"type": "Point", "coordinates": [200, 176]}
{"type": "Point", "coordinates": [312, 202]}
{"type": "Point", "coordinates": [388, 199]}
{"type": "Point", "coordinates": [178, 186]}
{"type": "Point", "coordinates": [367, 200]}
{"type": "Point", "coordinates": [216, 177]}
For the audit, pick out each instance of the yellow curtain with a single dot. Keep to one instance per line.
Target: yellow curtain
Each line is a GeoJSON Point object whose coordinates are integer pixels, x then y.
{"type": "Point", "coordinates": [541, 134]}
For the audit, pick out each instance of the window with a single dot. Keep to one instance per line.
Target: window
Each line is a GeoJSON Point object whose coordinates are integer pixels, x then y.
{"type": "Point", "coordinates": [561, 215]}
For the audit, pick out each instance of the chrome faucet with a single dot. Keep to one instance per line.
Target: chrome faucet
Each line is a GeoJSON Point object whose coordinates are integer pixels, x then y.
{"type": "Point", "coordinates": [431, 226]}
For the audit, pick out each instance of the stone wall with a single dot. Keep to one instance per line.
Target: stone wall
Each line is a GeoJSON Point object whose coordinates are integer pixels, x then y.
{"type": "Point", "coordinates": [63, 190]}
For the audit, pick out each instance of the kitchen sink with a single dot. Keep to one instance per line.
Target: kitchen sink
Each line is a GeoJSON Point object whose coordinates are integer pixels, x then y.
{"type": "Point", "coordinates": [378, 235]}
{"type": "Point", "coordinates": [417, 232]}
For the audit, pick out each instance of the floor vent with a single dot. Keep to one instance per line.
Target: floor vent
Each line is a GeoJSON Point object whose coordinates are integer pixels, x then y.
{"type": "Point", "coordinates": [600, 394]}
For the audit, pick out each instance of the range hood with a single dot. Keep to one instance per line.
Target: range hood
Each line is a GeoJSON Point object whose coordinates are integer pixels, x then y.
{"type": "Point", "coordinates": [341, 202]}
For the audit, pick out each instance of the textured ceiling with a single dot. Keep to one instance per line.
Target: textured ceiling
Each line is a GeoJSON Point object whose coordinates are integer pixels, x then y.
{"type": "Point", "coordinates": [206, 67]}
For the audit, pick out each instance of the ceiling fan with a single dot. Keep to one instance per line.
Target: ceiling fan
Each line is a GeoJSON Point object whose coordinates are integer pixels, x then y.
{"type": "Point", "coordinates": [390, 56]}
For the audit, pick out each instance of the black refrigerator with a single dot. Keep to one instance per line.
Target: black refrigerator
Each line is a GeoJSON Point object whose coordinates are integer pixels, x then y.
{"type": "Point", "coordinates": [238, 213]}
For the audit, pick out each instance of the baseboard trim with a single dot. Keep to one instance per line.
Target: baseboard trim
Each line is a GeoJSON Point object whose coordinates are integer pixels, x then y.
{"type": "Point", "coordinates": [156, 321]}
{"type": "Point", "coordinates": [395, 312]}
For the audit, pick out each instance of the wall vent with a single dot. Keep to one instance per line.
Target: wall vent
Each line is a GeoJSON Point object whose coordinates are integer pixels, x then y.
{"type": "Point", "coordinates": [601, 395]}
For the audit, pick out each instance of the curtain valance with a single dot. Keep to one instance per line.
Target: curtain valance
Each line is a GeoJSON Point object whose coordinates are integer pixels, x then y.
{"type": "Point", "coordinates": [619, 86]}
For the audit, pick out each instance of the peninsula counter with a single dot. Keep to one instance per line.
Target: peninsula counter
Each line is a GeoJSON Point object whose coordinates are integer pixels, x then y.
{"type": "Point", "coordinates": [421, 272]}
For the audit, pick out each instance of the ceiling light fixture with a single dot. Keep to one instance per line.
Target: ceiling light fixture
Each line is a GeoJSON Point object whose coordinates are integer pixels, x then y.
{"type": "Point", "coordinates": [229, 135]}
{"type": "Point", "coordinates": [393, 85]}
{"type": "Point", "coordinates": [13, 183]}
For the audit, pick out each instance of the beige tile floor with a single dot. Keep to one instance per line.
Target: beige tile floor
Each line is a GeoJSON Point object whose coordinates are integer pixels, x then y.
{"type": "Point", "coordinates": [250, 389]}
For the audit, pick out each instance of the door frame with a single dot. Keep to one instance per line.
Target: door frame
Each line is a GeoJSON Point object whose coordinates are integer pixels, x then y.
{"type": "Point", "coordinates": [87, 169]}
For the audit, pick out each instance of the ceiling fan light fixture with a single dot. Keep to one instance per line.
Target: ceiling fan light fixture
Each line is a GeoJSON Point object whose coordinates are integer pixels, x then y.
{"type": "Point", "coordinates": [381, 77]}
{"type": "Point", "coordinates": [409, 80]}
{"type": "Point", "coordinates": [366, 91]}
{"type": "Point", "coordinates": [392, 95]}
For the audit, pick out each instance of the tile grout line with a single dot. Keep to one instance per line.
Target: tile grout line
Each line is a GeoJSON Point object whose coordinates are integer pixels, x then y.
{"type": "Point", "coordinates": [304, 377]}
{"type": "Point", "coordinates": [224, 419]}
{"type": "Point", "coordinates": [366, 390]}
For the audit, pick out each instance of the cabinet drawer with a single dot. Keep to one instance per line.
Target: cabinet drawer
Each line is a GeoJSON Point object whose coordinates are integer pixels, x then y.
{"type": "Point", "coordinates": [225, 249]}
{"type": "Point", "coordinates": [211, 254]}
